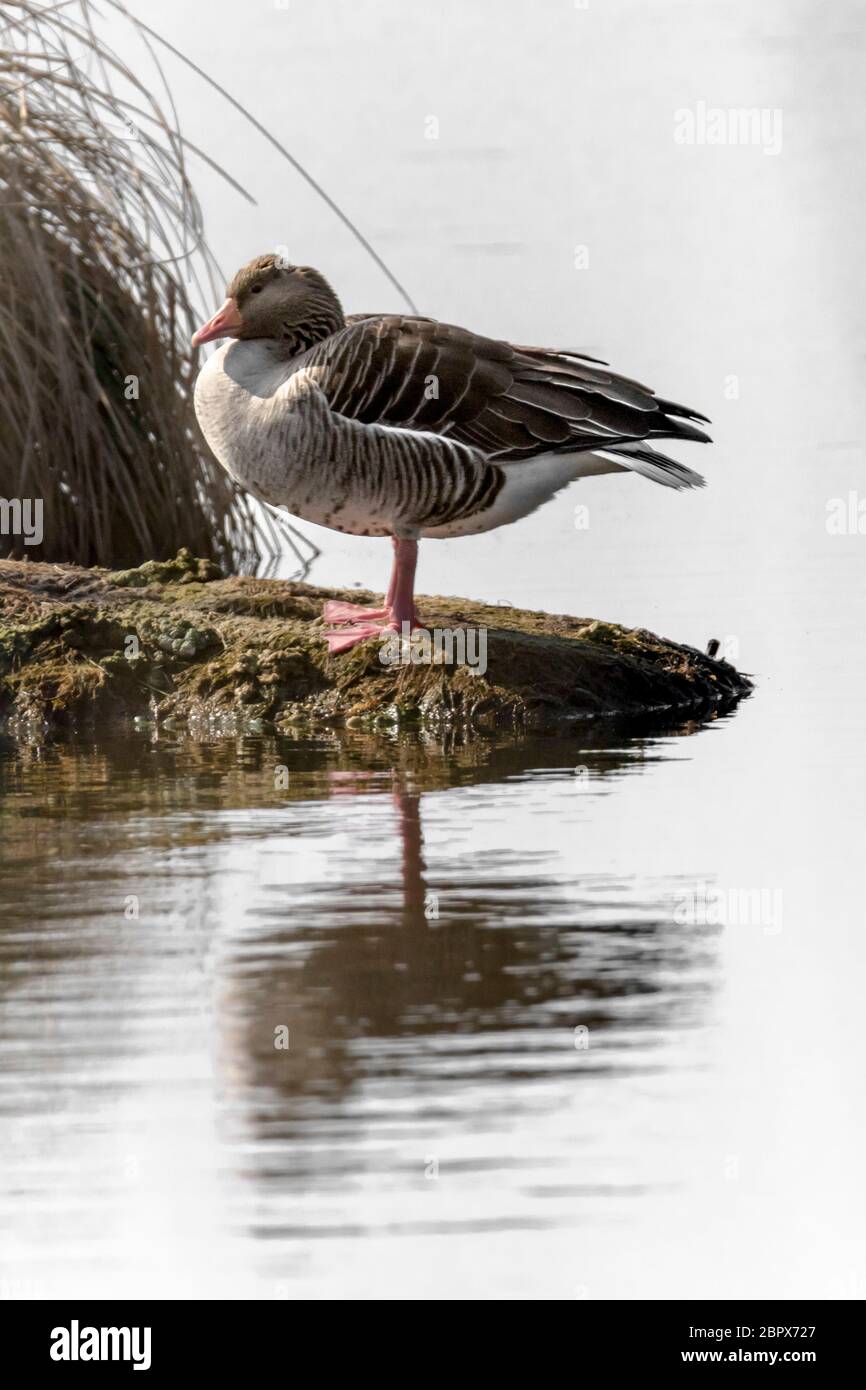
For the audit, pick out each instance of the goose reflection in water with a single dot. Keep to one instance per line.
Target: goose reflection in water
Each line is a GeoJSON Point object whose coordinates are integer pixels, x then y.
{"type": "Point", "coordinates": [404, 985]}
{"type": "Point", "coordinates": [435, 987]}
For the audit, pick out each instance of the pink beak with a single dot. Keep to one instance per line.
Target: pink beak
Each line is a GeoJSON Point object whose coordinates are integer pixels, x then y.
{"type": "Point", "coordinates": [224, 324]}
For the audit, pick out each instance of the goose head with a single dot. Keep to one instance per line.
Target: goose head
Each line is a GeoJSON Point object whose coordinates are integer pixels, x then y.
{"type": "Point", "coordinates": [292, 304]}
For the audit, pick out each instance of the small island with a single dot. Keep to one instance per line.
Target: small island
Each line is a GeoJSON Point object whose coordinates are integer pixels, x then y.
{"type": "Point", "coordinates": [175, 641]}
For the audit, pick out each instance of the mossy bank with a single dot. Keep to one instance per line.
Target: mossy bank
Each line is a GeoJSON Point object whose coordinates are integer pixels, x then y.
{"type": "Point", "coordinates": [173, 641]}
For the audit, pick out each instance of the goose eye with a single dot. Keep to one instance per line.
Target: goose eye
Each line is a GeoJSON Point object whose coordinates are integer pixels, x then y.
{"type": "Point", "coordinates": [256, 289]}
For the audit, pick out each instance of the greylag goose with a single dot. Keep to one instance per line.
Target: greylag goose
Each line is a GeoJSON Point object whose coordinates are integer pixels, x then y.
{"type": "Point", "coordinates": [388, 425]}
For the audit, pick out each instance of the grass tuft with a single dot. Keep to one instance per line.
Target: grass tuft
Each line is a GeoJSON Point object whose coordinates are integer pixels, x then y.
{"type": "Point", "coordinates": [105, 271]}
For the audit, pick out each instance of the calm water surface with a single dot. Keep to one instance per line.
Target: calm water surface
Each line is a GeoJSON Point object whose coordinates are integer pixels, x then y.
{"type": "Point", "coordinates": [426, 1020]}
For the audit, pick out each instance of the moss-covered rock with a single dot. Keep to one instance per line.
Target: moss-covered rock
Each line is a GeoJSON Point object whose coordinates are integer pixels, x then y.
{"type": "Point", "coordinates": [185, 568]}
{"type": "Point", "coordinates": [172, 641]}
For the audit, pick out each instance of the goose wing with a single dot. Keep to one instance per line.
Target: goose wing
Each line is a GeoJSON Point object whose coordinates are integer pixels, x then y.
{"type": "Point", "coordinates": [510, 401]}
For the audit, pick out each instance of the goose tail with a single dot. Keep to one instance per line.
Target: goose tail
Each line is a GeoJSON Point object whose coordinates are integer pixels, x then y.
{"type": "Point", "coordinates": [659, 468]}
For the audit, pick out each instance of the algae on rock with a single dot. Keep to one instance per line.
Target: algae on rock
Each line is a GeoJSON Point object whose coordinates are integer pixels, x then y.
{"type": "Point", "coordinates": [172, 639]}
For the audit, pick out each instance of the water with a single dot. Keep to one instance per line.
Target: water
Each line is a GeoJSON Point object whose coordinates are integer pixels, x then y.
{"type": "Point", "coordinates": [436, 1125]}
{"type": "Point", "coordinates": [513, 1064]}
{"type": "Point", "coordinates": [477, 1038]}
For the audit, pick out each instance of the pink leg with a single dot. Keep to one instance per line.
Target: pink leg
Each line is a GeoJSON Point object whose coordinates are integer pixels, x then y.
{"type": "Point", "coordinates": [342, 639]}
{"type": "Point", "coordinates": [389, 597]}
{"type": "Point", "coordinates": [369, 622]}
{"type": "Point", "coordinates": [402, 592]}
{"type": "Point", "coordinates": [335, 611]}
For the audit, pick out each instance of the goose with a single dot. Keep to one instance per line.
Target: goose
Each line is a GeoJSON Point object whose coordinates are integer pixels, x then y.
{"type": "Point", "coordinates": [404, 427]}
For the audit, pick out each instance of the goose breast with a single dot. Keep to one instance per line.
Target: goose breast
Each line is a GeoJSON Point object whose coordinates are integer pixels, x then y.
{"type": "Point", "coordinates": [272, 428]}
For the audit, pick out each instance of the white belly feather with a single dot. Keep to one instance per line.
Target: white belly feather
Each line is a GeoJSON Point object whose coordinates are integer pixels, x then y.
{"type": "Point", "coordinates": [269, 426]}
